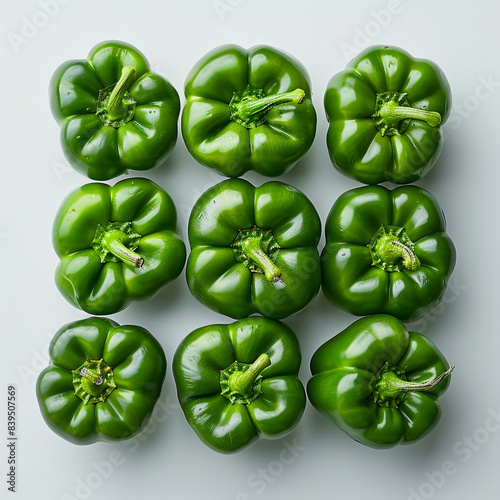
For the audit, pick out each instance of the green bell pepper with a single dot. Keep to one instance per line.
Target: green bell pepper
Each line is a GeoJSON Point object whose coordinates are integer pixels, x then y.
{"type": "Point", "coordinates": [248, 110]}
{"type": "Point", "coordinates": [254, 250]}
{"type": "Point", "coordinates": [385, 110]}
{"type": "Point", "coordinates": [116, 244]}
{"type": "Point", "coordinates": [115, 114]}
{"type": "Point", "coordinates": [379, 383]}
{"type": "Point", "coordinates": [239, 382]}
{"type": "Point", "coordinates": [102, 382]}
{"type": "Point", "coordinates": [386, 252]}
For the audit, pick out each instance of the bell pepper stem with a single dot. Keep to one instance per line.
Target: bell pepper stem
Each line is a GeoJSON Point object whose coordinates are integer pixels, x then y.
{"type": "Point", "coordinates": [425, 386]}
{"type": "Point", "coordinates": [251, 106]}
{"type": "Point", "coordinates": [92, 376]}
{"type": "Point", "coordinates": [252, 249]}
{"type": "Point", "coordinates": [241, 382]}
{"type": "Point", "coordinates": [93, 381]}
{"type": "Point", "coordinates": [113, 241]}
{"type": "Point", "coordinates": [390, 386]}
{"type": "Point", "coordinates": [116, 109]}
{"type": "Point", "coordinates": [410, 260]}
{"type": "Point", "coordinates": [389, 110]}
{"type": "Point", "coordinates": [389, 248]}
{"type": "Point", "coordinates": [393, 114]}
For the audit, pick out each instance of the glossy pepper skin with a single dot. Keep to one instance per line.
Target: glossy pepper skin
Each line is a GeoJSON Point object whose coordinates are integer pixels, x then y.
{"type": "Point", "coordinates": [386, 252]}
{"type": "Point", "coordinates": [116, 244]}
{"type": "Point", "coordinates": [105, 134]}
{"type": "Point", "coordinates": [227, 412]}
{"type": "Point", "coordinates": [385, 112]}
{"type": "Point", "coordinates": [248, 110]}
{"type": "Point", "coordinates": [102, 382]}
{"type": "Point", "coordinates": [379, 383]}
{"type": "Point", "coordinates": [254, 249]}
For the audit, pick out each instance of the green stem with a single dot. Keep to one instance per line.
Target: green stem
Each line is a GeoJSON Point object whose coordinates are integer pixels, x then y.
{"type": "Point", "coordinates": [390, 386]}
{"type": "Point", "coordinates": [407, 386]}
{"type": "Point", "coordinates": [113, 241]}
{"type": "Point", "coordinates": [251, 106]}
{"type": "Point", "coordinates": [241, 382]}
{"type": "Point", "coordinates": [92, 376]}
{"type": "Point", "coordinates": [115, 107]}
{"type": "Point", "coordinates": [93, 381]}
{"type": "Point", "coordinates": [410, 260]}
{"type": "Point", "coordinates": [391, 112]}
{"type": "Point", "coordinates": [394, 113]}
{"type": "Point", "coordinates": [389, 249]}
{"type": "Point", "coordinates": [253, 251]}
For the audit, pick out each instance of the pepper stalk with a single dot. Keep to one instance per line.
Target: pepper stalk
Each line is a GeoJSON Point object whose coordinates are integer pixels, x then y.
{"type": "Point", "coordinates": [392, 249]}
{"type": "Point", "coordinates": [115, 106]}
{"type": "Point", "coordinates": [393, 114]}
{"type": "Point", "coordinates": [389, 388]}
{"type": "Point", "coordinates": [116, 242]}
{"type": "Point", "coordinates": [249, 107]}
{"type": "Point", "coordinates": [258, 250]}
{"type": "Point", "coordinates": [93, 381]}
{"type": "Point", "coordinates": [241, 382]}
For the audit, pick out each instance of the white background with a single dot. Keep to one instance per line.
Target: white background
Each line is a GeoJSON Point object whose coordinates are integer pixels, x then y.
{"type": "Point", "coordinates": [169, 460]}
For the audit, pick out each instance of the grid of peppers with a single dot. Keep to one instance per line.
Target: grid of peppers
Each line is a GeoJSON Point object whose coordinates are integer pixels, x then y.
{"type": "Point", "coordinates": [253, 249]}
